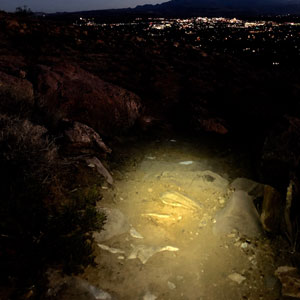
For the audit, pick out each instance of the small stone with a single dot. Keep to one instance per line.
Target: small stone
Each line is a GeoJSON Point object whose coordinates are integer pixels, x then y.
{"type": "Point", "coordinates": [186, 163]}
{"type": "Point", "coordinates": [221, 200]}
{"type": "Point", "coordinates": [135, 234]}
{"type": "Point", "coordinates": [171, 285]}
{"type": "Point", "coordinates": [151, 157]}
{"type": "Point", "coordinates": [236, 277]}
{"type": "Point", "coordinates": [121, 257]}
{"type": "Point", "coordinates": [244, 245]}
{"type": "Point", "coordinates": [149, 296]}
{"type": "Point", "coordinates": [150, 190]}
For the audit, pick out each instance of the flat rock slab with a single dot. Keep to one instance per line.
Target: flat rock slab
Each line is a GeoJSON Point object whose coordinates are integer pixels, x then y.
{"type": "Point", "coordinates": [156, 168]}
{"type": "Point", "coordinates": [197, 180]}
{"type": "Point", "coordinates": [239, 214]}
{"type": "Point", "coordinates": [116, 224]}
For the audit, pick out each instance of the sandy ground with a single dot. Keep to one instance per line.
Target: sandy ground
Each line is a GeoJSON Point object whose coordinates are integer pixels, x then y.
{"type": "Point", "coordinates": [170, 206]}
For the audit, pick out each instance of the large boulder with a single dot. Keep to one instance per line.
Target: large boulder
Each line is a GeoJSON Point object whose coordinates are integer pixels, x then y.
{"type": "Point", "coordinates": [69, 91]}
{"type": "Point", "coordinates": [239, 214]}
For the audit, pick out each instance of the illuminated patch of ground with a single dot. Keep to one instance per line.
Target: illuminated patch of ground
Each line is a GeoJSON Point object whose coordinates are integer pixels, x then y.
{"type": "Point", "coordinates": [169, 198]}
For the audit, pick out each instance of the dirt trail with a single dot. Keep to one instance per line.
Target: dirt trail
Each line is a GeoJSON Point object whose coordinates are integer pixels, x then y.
{"type": "Point", "coordinates": [165, 201]}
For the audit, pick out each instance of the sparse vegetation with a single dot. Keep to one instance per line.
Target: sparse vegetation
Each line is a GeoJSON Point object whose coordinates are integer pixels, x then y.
{"type": "Point", "coordinates": [36, 232]}
{"type": "Point", "coordinates": [23, 10]}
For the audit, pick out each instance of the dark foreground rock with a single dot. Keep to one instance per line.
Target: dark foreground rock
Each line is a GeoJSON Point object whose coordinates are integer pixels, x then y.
{"type": "Point", "coordinates": [84, 137]}
{"type": "Point", "coordinates": [281, 152]}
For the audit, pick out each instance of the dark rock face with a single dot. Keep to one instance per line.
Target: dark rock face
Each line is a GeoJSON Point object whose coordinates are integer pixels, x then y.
{"type": "Point", "coordinates": [281, 168]}
{"type": "Point", "coordinates": [80, 96]}
{"type": "Point", "coordinates": [272, 208]}
{"type": "Point", "coordinates": [281, 152]}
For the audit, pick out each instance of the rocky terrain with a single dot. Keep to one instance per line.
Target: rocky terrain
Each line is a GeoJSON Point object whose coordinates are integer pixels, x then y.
{"type": "Point", "coordinates": [70, 97]}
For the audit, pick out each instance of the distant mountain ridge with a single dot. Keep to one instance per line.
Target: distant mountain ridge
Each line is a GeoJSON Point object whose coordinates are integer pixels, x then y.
{"type": "Point", "coordinates": [196, 7]}
{"type": "Point", "coordinates": [193, 8]}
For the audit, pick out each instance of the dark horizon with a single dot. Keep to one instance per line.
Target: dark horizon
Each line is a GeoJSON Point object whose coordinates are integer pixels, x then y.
{"type": "Point", "coordinates": [78, 5]}
{"type": "Point", "coordinates": [92, 5]}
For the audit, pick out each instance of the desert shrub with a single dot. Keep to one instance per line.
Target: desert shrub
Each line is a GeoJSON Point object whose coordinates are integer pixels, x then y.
{"type": "Point", "coordinates": [71, 230]}
{"type": "Point", "coordinates": [34, 234]}
{"type": "Point", "coordinates": [27, 160]}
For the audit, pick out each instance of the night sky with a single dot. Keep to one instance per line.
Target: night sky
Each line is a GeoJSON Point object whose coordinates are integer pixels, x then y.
{"type": "Point", "coordinates": [72, 5]}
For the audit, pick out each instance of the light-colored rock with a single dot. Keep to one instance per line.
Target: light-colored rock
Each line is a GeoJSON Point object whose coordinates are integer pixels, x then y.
{"type": "Point", "coordinates": [244, 245]}
{"type": "Point", "coordinates": [143, 252]}
{"type": "Point", "coordinates": [149, 296]}
{"type": "Point", "coordinates": [236, 277]}
{"type": "Point", "coordinates": [171, 285]}
{"type": "Point", "coordinates": [186, 163]}
{"type": "Point", "coordinates": [135, 234]}
{"type": "Point", "coordinates": [115, 224]}
{"type": "Point", "coordinates": [111, 250]}
{"type": "Point", "coordinates": [290, 281]}
{"type": "Point", "coordinates": [239, 214]}
{"type": "Point", "coordinates": [176, 199]}
{"type": "Point", "coordinates": [162, 219]}
{"type": "Point", "coordinates": [95, 162]}
{"type": "Point", "coordinates": [156, 216]}
{"type": "Point", "coordinates": [251, 187]}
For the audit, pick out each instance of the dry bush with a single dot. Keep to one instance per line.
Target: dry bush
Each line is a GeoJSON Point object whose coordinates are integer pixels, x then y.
{"type": "Point", "coordinates": [34, 234]}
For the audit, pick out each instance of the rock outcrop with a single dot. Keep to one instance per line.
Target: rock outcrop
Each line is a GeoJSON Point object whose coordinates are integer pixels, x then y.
{"type": "Point", "coordinates": [68, 90]}
{"type": "Point", "coordinates": [82, 136]}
